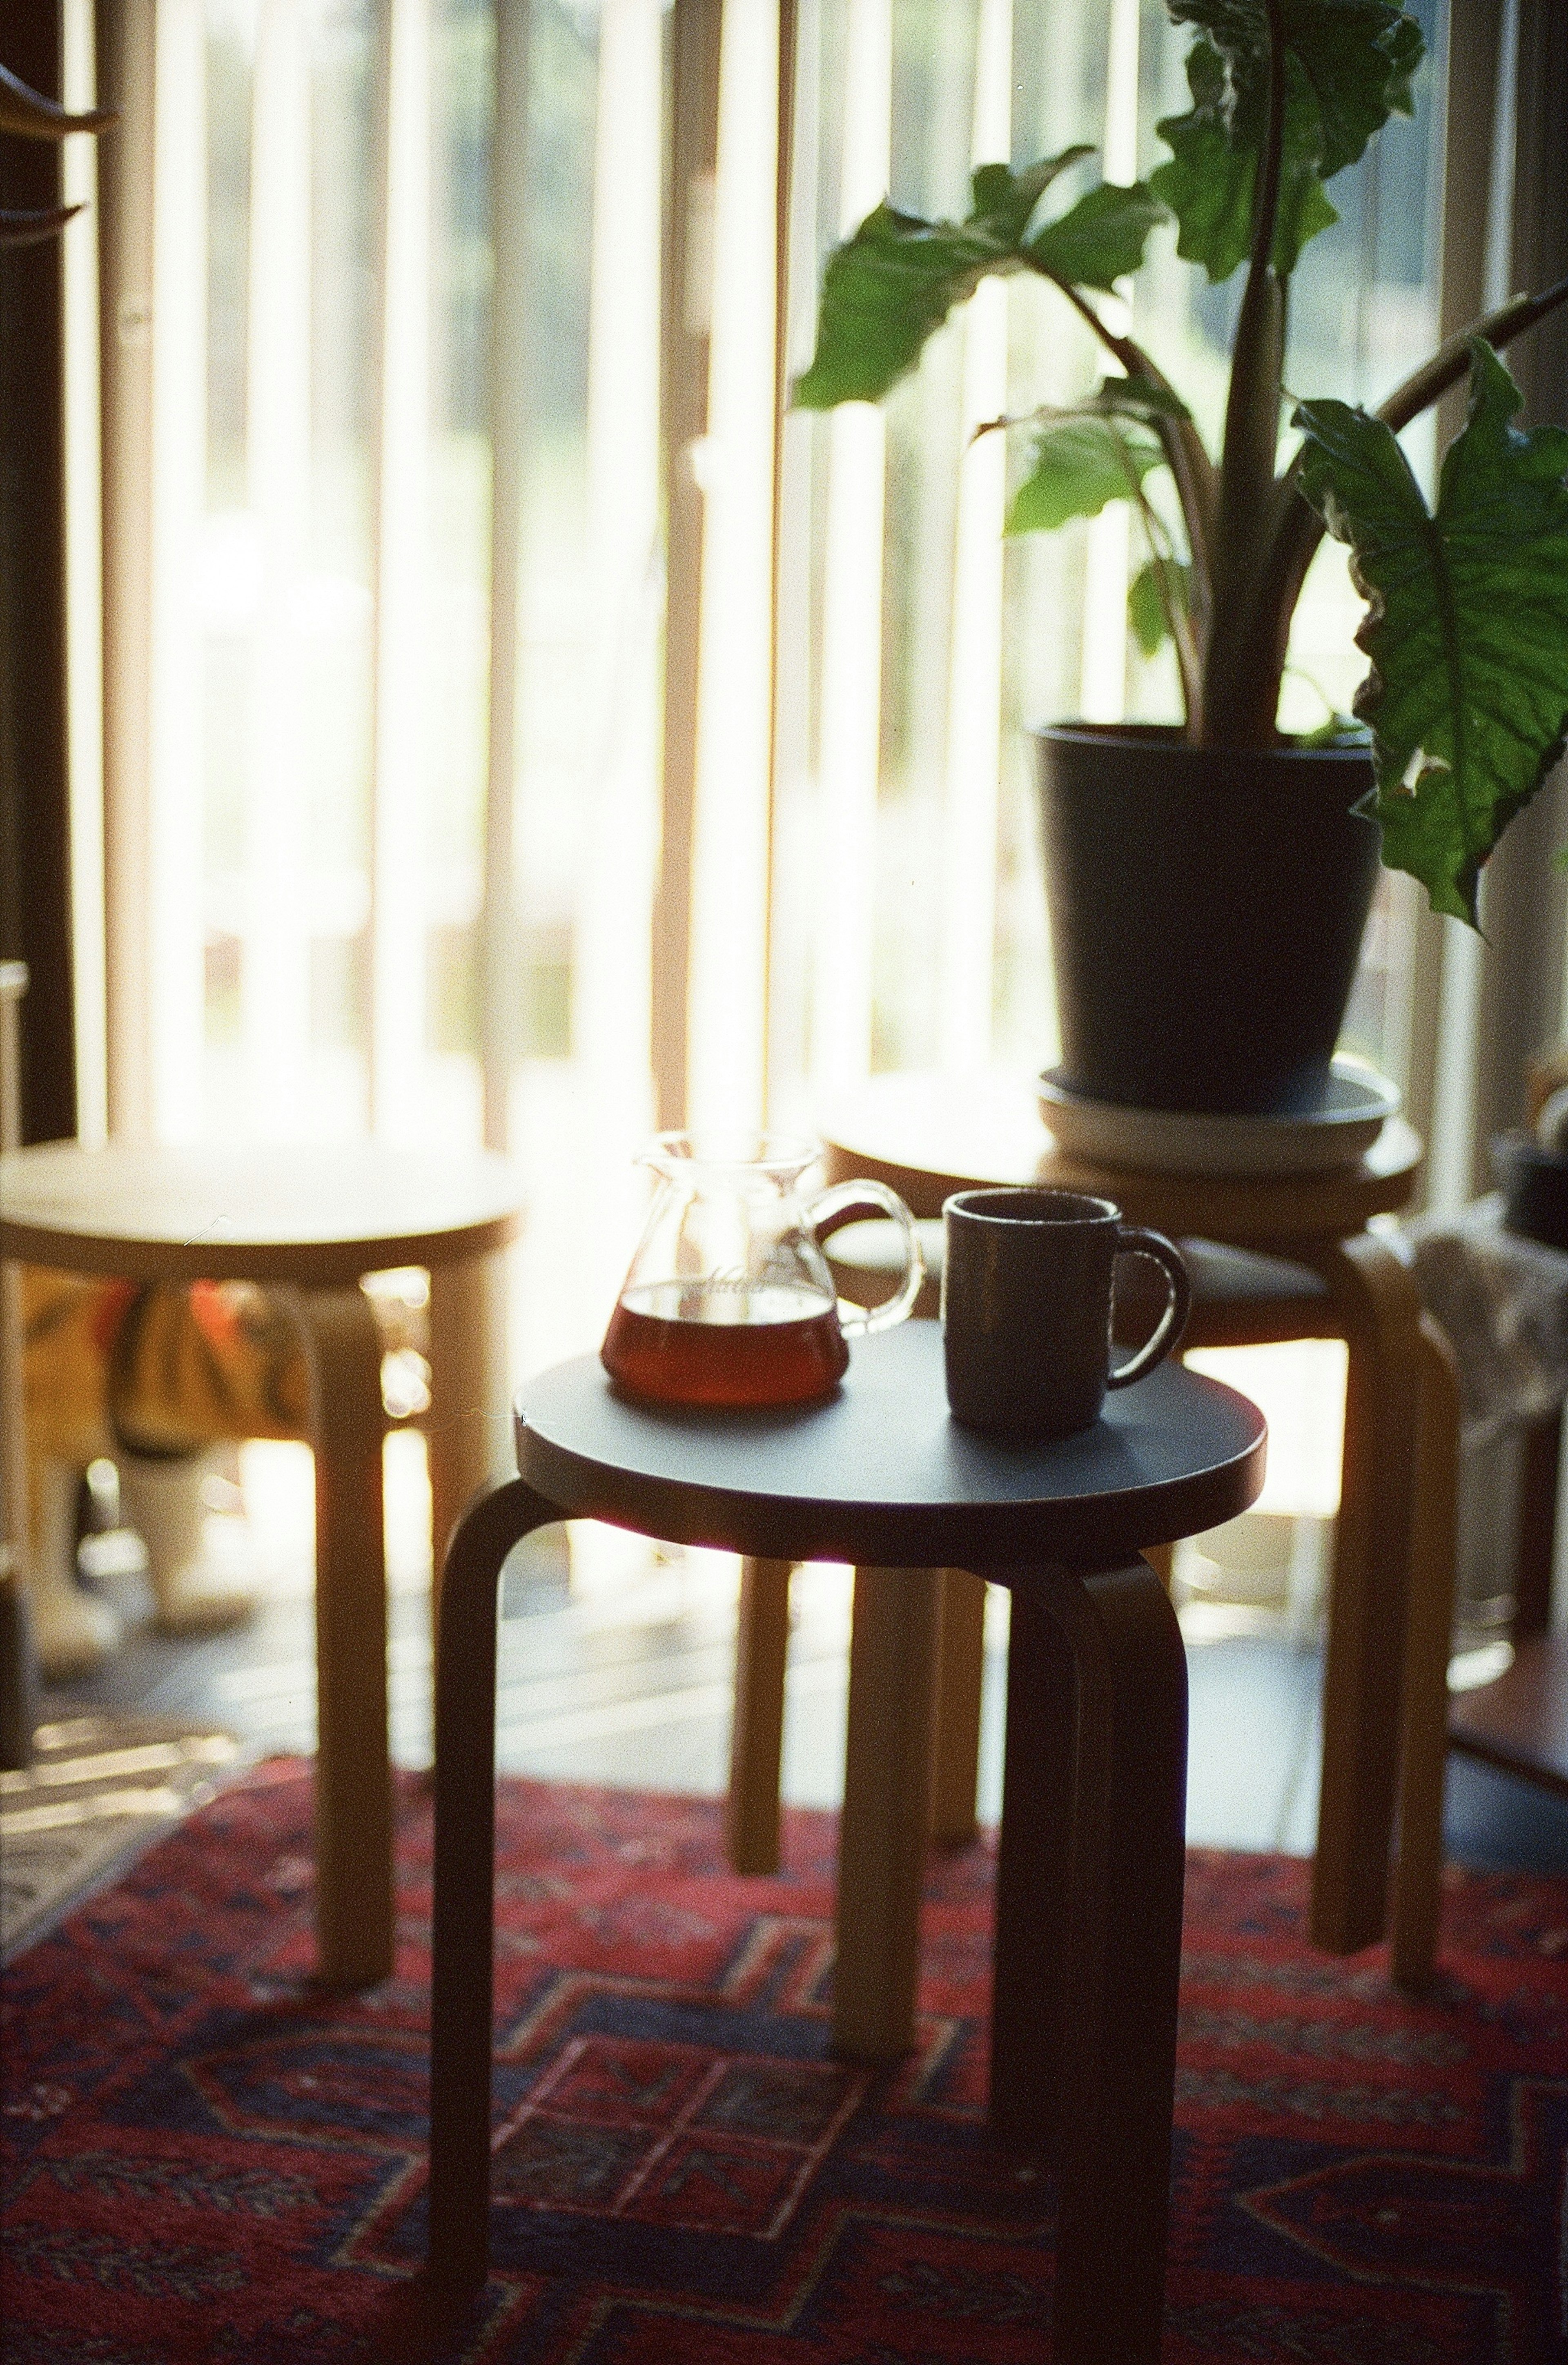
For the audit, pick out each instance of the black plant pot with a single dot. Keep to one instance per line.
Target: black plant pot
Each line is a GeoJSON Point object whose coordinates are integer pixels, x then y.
{"type": "Point", "coordinates": [1206, 911]}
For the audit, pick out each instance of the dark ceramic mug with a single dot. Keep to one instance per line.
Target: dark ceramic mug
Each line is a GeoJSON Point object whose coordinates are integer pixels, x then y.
{"type": "Point", "coordinates": [1026, 1286]}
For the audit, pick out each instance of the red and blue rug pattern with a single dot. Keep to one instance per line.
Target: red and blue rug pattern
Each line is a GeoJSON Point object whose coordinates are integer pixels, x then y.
{"type": "Point", "coordinates": [207, 2158]}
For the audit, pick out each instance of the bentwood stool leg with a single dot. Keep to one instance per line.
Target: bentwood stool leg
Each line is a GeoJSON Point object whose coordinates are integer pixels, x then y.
{"type": "Point", "coordinates": [1418, 1864]}
{"type": "Point", "coordinates": [757, 1731]}
{"type": "Point", "coordinates": [894, 1642]}
{"type": "Point", "coordinates": [1375, 1295]}
{"type": "Point", "coordinates": [1089, 1935]}
{"type": "Point", "coordinates": [468, 1430]}
{"type": "Point", "coordinates": [353, 1780]}
{"type": "Point", "coordinates": [462, 1934]}
{"type": "Point", "coordinates": [961, 1679]}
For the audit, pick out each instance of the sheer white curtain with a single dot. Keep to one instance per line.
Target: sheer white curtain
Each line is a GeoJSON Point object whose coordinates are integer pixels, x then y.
{"type": "Point", "coordinates": [396, 816]}
{"type": "Point", "coordinates": [383, 803]}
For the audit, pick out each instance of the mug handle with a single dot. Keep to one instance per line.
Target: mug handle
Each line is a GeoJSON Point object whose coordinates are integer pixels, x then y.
{"type": "Point", "coordinates": [1134, 1239]}
{"type": "Point", "coordinates": [838, 1207]}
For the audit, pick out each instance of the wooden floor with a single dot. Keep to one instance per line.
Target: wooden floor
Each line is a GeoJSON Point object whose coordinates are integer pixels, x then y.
{"type": "Point", "coordinates": [615, 1664]}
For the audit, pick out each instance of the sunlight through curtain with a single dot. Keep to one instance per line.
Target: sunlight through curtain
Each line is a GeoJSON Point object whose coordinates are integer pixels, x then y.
{"type": "Point", "coordinates": [410, 814]}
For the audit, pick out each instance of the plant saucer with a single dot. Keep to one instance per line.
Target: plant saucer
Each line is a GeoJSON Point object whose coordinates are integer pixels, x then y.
{"type": "Point", "coordinates": [1173, 1141]}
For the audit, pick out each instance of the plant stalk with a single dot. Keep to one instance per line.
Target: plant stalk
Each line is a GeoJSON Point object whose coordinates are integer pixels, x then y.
{"type": "Point", "coordinates": [27, 115]}
{"type": "Point", "coordinates": [31, 229]}
{"type": "Point", "coordinates": [1191, 470]}
{"type": "Point", "coordinates": [1235, 682]}
{"type": "Point", "coordinates": [1161, 557]}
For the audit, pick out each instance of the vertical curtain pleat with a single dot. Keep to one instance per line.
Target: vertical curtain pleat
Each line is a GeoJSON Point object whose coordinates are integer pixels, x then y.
{"type": "Point", "coordinates": [399, 748]}
{"type": "Point", "coordinates": [126, 66]}
{"type": "Point", "coordinates": [731, 815]}
{"type": "Point", "coordinates": [850, 649]}
{"type": "Point", "coordinates": [973, 756]}
{"type": "Point", "coordinates": [83, 425]}
{"type": "Point", "coordinates": [694, 43]}
{"type": "Point", "coordinates": [1525, 906]}
{"type": "Point", "coordinates": [508, 411]}
{"type": "Point", "coordinates": [274, 991]}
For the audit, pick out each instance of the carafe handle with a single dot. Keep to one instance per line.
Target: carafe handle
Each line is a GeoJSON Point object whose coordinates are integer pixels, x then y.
{"type": "Point", "coordinates": [839, 1206]}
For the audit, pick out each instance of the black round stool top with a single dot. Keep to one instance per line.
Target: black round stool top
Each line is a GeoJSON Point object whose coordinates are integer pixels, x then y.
{"type": "Point", "coordinates": [881, 1474]}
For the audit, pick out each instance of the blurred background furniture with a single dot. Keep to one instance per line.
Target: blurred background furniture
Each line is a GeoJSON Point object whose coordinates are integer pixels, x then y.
{"type": "Point", "coordinates": [1274, 1259]}
{"type": "Point", "coordinates": [19, 1711]}
{"type": "Point", "coordinates": [312, 1223]}
{"type": "Point", "coordinates": [1497, 1277]}
{"type": "Point", "coordinates": [1518, 1720]}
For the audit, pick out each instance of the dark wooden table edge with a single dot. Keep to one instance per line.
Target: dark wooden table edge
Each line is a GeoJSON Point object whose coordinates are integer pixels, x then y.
{"type": "Point", "coordinates": [921, 1536]}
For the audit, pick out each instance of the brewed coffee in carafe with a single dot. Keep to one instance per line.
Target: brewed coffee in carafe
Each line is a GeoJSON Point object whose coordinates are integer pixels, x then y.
{"type": "Point", "coordinates": [729, 1300]}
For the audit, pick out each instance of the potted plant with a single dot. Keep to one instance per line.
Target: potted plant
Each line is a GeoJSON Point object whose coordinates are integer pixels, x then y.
{"type": "Point", "coordinates": [1209, 884]}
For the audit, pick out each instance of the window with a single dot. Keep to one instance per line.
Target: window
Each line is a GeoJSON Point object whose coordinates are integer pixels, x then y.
{"type": "Point", "coordinates": [408, 599]}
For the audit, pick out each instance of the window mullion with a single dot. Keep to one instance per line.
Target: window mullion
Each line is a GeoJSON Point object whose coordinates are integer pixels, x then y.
{"type": "Point", "coordinates": [400, 557]}
{"type": "Point", "coordinates": [274, 991]}
{"type": "Point", "coordinates": [968, 906]}
{"type": "Point", "coordinates": [497, 924]}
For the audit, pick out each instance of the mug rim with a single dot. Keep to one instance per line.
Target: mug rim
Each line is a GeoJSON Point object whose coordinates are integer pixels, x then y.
{"type": "Point", "coordinates": [1081, 1208]}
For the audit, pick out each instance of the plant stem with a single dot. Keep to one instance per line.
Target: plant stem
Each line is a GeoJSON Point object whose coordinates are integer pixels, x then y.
{"type": "Point", "coordinates": [29, 116]}
{"type": "Point", "coordinates": [1449, 363]}
{"type": "Point", "coordinates": [1191, 470]}
{"type": "Point", "coordinates": [1235, 684]}
{"type": "Point", "coordinates": [1162, 557]}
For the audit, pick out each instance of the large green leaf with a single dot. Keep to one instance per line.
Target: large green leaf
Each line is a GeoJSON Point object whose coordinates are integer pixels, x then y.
{"type": "Point", "coordinates": [1467, 627]}
{"type": "Point", "coordinates": [1209, 182]}
{"type": "Point", "coordinates": [1348, 68]}
{"type": "Point", "coordinates": [891, 285]}
{"type": "Point", "coordinates": [1081, 464]}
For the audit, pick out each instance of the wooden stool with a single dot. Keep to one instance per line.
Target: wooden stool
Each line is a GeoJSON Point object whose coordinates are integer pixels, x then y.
{"type": "Point", "coordinates": [1275, 1259]}
{"type": "Point", "coordinates": [1090, 1864]}
{"type": "Point", "coordinates": [311, 1223]}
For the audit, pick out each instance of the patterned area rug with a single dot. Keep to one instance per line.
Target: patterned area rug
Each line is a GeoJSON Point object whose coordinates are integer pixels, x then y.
{"type": "Point", "coordinates": [208, 2159]}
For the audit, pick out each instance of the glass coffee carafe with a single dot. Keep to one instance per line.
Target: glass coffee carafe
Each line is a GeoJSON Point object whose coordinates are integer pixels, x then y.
{"type": "Point", "coordinates": [729, 1300]}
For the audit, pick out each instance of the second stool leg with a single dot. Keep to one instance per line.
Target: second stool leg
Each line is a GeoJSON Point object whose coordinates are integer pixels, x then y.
{"type": "Point", "coordinates": [960, 1680]}
{"type": "Point", "coordinates": [893, 1649]}
{"type": "Point", "coordinates": [354, 1776]}
{"type": "Point", "coordinates": [468, 1427]}
{"type": "Point", "coordinates": [757, 1731]}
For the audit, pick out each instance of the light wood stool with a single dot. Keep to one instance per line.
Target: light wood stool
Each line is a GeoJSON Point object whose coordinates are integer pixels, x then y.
{"type": "Point", "coordinates": [1277, 1259]}
{"type": "Point", "coordinates": [310, 1223]}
